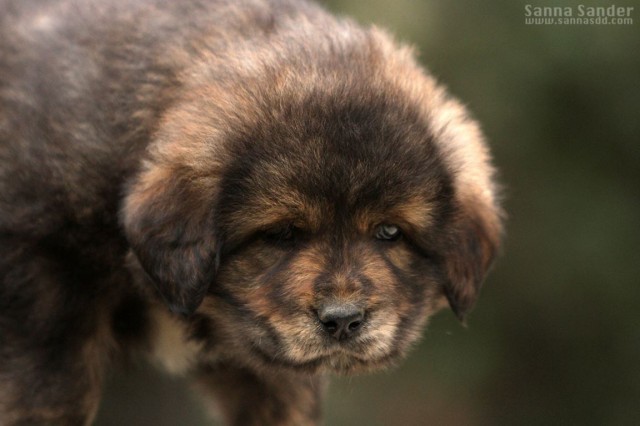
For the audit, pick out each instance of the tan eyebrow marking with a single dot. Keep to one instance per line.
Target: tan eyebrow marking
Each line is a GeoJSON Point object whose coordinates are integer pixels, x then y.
{"type": "Point", "coordinates": [414, 213]}
{"type": "Point", "coordinates": [262, 212]}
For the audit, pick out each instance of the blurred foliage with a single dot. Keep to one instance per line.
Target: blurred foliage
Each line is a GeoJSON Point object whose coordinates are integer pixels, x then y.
{"type": "Point", "coordinates": [555, 337]}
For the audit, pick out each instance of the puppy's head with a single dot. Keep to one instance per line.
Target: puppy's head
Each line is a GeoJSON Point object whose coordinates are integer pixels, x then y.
{"type": "Point", "coordinates": [317, 214]}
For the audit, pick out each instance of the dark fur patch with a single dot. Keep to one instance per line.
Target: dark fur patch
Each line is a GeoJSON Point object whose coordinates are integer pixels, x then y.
{"type": "Point", "coordinates": [130, 319]}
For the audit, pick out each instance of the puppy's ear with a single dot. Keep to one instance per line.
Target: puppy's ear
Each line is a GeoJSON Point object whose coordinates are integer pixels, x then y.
{"type": "Point", "coordinates": [472, 247]}
{"type": "Point", "coordinates": [168, 221]}
{"type": "Point", "coordinates": [474, 229]}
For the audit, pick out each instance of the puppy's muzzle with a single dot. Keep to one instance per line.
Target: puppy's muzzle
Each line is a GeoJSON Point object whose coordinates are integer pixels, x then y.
{"type": "Point", "coordinates": [341, 321]}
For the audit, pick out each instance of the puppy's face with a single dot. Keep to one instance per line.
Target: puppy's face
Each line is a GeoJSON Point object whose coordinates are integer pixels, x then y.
{"type": "Point", "coordinates": [326, 258]}
{"type": "Point", "coordinates": [319, 230]}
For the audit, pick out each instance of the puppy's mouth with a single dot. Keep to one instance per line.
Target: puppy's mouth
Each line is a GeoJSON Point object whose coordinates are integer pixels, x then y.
{"type": "Point", "coordinates": [312, 346]}
{"type": "Point", "coordinates": [339, 359]}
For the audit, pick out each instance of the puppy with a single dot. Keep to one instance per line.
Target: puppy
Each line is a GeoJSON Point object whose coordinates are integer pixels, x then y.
{"type": "Point", "coordinates": [254, 192]}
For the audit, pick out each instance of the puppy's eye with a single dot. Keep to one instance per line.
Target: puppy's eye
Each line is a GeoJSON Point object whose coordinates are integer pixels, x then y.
{"type": "Point", "coordinates": [280, 234]}
{"type": "Point", "coordinates": [388, 232]}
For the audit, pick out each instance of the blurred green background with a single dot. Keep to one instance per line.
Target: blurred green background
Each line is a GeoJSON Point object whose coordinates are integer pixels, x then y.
{"type": "Point", "coordinates": [555, 337]}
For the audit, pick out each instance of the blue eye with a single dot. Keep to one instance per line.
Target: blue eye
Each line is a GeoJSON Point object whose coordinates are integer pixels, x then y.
{"type": "Point", "coordinates": [388, 232]}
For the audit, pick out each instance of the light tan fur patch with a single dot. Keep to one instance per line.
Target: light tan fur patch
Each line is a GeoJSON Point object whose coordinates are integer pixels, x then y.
{"type": "Point", "coordinates": [171, 349]}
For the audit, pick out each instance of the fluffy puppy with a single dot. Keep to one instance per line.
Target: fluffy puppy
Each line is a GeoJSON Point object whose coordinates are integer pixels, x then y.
{"type": "Point", "coordinates": [254, 192]}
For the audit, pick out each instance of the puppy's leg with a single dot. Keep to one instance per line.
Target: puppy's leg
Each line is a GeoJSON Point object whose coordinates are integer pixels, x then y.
{"type": "Point", "coordinates": [50, 367]}
{"type": "Point", "coordinates": [246, 398]}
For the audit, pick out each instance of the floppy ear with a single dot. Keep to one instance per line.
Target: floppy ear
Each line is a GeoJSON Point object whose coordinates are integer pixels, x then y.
{"type": "Point", "coordinates": [472, 247]}
{"type": "Point", "coordinates": [475, 228]}
{"type": "Point", "coordinates": [168, 221]}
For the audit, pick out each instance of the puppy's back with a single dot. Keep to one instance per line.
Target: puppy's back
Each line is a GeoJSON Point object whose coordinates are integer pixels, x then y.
{"type": "Point", "coordinates": [83, 84]}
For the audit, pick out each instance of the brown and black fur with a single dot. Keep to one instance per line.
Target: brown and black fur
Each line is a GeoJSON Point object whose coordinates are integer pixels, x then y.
{"type": "Point", "coordinates": [199, 180]}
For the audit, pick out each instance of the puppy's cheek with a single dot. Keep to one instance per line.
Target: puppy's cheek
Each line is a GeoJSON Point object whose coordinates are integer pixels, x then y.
{"type": "Point", "coordinates": [285, 300]}
{"type": "Point", "coordinates": [405, 296]}
{"type": "Point", "coordinates": [267, 295]}
{"type": "Point", "coordinates": [237, 322]}
{"type": "Point", "coordinates": [302, 342]}
{"type": "Point", "coordinates": [378, 339]}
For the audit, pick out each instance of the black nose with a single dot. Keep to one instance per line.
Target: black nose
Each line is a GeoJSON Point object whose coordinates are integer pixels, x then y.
{"type": "Point", "coordinates": [341, 321]}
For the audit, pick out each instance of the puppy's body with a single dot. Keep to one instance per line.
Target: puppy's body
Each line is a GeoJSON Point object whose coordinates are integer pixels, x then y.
{"type": "Point", "coordinates": [293, 187]}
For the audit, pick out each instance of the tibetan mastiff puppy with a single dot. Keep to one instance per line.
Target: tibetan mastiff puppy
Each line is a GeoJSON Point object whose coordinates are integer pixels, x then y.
{"type": "Point", "coordinates": [253, 192]}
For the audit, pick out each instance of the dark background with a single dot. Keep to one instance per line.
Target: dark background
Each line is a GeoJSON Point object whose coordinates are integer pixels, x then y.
{"type": "Point", "coordinates": [555, 337]}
